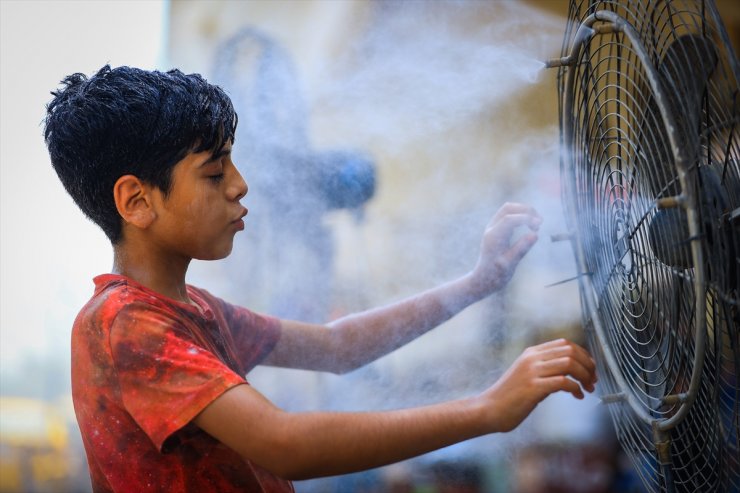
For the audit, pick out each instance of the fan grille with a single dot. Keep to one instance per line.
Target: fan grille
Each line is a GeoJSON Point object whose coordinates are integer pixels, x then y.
{"type": "Point", "coordinates": [630, 200]}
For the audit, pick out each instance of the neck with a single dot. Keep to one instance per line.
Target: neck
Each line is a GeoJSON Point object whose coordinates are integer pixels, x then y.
{"type": "Point", "coordinates": [163, 275]}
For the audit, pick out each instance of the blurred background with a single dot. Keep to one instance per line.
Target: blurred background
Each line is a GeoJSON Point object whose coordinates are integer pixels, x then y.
{"type": "Point", "coordinates": [378, 138]}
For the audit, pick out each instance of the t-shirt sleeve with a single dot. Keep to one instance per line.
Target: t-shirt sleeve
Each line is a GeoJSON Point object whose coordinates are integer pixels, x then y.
{"type": "Point", "coordinates": [254, 334]}
{"type": "Point", "coordinates": [165, 378]}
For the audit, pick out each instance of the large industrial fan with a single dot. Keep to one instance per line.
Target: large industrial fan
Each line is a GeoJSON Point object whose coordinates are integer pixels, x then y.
{"type": "Point", "coordinates": [650, 153]}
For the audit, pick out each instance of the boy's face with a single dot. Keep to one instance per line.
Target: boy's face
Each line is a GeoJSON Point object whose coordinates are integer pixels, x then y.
{"type": "Point", "coordinates": [201, 214]}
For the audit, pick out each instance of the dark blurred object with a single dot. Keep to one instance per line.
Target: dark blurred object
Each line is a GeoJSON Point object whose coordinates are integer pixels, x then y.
{"type": "Point", "coordinates": [457, 477]}
{"type": "Point", "coordinates": [555, 468]}
{"type": "Point", "coordinates": [292, 186]}
{"type": "Point", "coordinates": [348, 178]}
{"type": "Point", "coordinates": [273, 124]}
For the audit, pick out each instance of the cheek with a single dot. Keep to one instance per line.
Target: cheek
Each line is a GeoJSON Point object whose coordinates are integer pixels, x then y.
{"type": "Point", "coordinates": [198, 205]}
{"type": "Point", "coordinates": [190, 219]}
{"type": "Point", "coordinates": [205, 216]}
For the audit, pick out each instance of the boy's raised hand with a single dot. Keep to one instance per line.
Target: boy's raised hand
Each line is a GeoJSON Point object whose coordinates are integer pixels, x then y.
{"type": "Point", "coordinates": [498, 255]}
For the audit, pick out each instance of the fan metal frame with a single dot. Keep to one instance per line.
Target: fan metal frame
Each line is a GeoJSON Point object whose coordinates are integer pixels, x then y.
{"type": "Point", "coordinates": [602, 22]}
{"type": "Point", "coordinates": [686, 198]}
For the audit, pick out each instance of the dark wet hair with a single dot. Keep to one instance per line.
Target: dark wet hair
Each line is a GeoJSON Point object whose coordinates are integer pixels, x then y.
{"type": "Point", "coordinates": [130, 121]}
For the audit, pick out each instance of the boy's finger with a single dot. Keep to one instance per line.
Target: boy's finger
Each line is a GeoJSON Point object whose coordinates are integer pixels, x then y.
{"type": "Point", "coordinates": [512, 208]}
{"type": "Point", "coordinates": [563, 347]}
{"type": "Point", "coordinates": [568, 366]}
{"type": "Point", "coordinates": [557, 383]}
{"type": "Point", "coordinates": [518, 250]}
{"type": "Point", "coordinates": [507, 224]}
{"type": "Point", "coordinates": [559, 348]}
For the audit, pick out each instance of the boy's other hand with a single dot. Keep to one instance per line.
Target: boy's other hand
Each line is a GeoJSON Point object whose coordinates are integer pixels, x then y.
{"type": "Point", "coordinates": [538, 372]}
{"type": "Point", "coordinates": [499, 256]}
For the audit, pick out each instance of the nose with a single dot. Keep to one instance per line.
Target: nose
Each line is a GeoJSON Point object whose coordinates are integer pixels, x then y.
{"type": "Point", "coordinates": [238, 187]}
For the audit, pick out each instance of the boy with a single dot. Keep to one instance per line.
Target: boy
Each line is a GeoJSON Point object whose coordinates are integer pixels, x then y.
{"type": "Point", "coordinates": [158, 366]}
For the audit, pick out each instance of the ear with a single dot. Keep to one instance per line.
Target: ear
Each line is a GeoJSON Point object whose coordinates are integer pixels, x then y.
{"type": "Point", "coordinates": [134, 201]}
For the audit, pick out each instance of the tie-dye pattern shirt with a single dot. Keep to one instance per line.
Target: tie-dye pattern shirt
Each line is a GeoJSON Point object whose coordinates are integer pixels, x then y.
{"type": "Point", "coordinates": [143, 366]}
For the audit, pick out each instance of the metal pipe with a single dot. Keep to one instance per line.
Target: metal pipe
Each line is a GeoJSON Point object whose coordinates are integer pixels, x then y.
{"type": "Point", "coordinates": [559, 62]}
{"type": "Point", "coordinates": [670, 202]}
{"type": "Point", "coordinates": [662, 442]}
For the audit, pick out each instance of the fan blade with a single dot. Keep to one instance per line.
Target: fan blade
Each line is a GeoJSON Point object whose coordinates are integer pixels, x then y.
{"type": "Point", "coordinates": [686, 67]}
{"type": "Point", "coordinates": [684, 70]}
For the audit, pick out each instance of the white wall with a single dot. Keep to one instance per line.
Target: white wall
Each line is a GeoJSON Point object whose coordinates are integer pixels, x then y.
{"type": "Point", "coordinates": [48, 251]}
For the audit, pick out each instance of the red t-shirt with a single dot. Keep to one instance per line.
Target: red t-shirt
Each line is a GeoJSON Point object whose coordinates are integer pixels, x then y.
{"type": "Point", "coordinates": [143, 366]}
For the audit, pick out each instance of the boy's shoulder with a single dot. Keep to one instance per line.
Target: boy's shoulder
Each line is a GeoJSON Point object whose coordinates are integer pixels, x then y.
{"type": "Point", "coordinates": [115, 295]}
{"type": "Point", "coordinates": [122, 311]}
{"type": "Point", "coordinates": [115, 292]}
{"type": "Point", "coordinates": [116, 287]}
{"type": "Point", "coordinates": [119, 298]}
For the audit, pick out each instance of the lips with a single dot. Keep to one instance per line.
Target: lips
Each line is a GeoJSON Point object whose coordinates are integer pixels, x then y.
{"type": "Point", "coordinates": [238, 222]}
{"type": "Point", "coordinates": [244, 211]}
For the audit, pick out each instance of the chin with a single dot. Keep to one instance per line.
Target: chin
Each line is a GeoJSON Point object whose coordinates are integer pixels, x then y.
{"type": "Point", "coordinates": [215, 255]}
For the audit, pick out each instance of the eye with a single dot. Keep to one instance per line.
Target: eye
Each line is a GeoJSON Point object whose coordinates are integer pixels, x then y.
{"type": "Point", "coordinates": [216, 178]}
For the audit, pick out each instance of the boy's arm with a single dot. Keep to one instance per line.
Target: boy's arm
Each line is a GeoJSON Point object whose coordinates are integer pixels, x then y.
{"type": "Point", "coordinates": [307, 445]}
{"type": "Point", "coordinates": [358, 339]}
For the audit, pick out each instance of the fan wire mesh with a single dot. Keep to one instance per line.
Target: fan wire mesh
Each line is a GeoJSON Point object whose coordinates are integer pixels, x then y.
{"type": "Point", "coordinates": [637, 255]}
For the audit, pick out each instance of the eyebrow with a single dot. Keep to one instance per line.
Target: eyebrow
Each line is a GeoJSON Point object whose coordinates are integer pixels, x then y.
{"type": "Point", "coordinates": [215, 157]}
